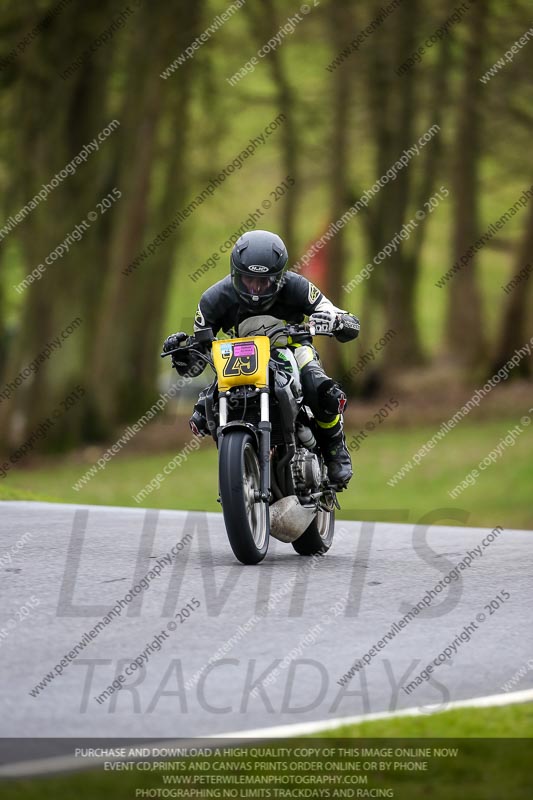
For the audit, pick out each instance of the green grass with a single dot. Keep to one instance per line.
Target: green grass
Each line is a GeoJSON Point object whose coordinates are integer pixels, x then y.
{"type": "Point", "coordinates": [483, 770]}
{"type": "Point", "coordinates": [502, 495]}
{"type": "Point", "coordinates": [7, 493]}
{"type": "Point", "coordinates": [505, 722]}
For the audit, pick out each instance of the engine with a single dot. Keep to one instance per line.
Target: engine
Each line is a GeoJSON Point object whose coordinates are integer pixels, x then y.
{"type": "Point", "coordinates": [306, 472]}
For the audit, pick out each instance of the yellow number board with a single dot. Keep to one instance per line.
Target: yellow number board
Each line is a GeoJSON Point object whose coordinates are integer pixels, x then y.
{"type": "Point", "coordinates": [240, 362]}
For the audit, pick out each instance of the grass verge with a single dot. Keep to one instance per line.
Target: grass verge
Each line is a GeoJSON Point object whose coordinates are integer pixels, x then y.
{"type": "Point", "coordinates": [501, 496]}
{"type": "Point", "coordinates": [484, 769]}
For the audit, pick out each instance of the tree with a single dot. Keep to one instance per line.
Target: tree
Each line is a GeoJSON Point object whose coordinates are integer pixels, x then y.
{"type": "Point", "coordinates": [464, 323]}
{"type": "Point", "coordinates": [114, 356]}
{"type": "Point", "coordinates": [516, 327]}
{"type": "Point", "coordinates": [123, 377]}
{"type": "Point", "coordinates": [340, 21]}
{"type": "Point", "coordinates": [398, 107]}
{"type": "Point", "coordinates": [265, 23]}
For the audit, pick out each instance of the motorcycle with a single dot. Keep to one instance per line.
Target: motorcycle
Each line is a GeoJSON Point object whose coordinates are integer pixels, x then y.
{"type": "Point", "coordinates": [272, 477]}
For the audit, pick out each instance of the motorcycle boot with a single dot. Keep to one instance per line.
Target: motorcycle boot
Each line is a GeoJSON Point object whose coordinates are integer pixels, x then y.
{"type": "Point", "coordinates": [327, 402]}
{"type": "Point", "coordinates": [333, 447]}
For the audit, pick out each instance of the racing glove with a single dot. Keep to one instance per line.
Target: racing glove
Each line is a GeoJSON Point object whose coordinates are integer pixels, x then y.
{"type": "Point", "coordinates": [173, 341]}
{"type": "Point", "coordinates": [325, 321]}
{"type": "Point", "coordinates": [348, 327]}
{"type": "Point", "coordinates": [183, 360]}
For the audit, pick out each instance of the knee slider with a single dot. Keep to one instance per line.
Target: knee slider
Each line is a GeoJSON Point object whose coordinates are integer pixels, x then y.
{"type": "Point", "coordinates": [331, 397]}
{"type": "Point", "coordinates": [198, 421]}
{"type": "Point", "coordinates": [321, 392]}
{"type": "Point", "coordinates": [198, 424]}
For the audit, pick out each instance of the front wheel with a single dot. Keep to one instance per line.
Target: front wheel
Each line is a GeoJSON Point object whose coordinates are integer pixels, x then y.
{"type": "Point", "coordinates": [246, 519]}
{"type": "Point", "coordinates": [318, 537]}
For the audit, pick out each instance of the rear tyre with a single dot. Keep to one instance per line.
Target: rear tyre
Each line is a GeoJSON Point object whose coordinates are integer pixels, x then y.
{"type": "Point", "coordinates": [318, 537]}
{"type": "Point", "coordinates": [246, 519]}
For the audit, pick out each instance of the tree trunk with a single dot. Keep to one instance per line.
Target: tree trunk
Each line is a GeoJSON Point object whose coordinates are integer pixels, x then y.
{"type": "Point", "coordinates": [397, 133]}
{"type": "Point", "coordinates": [74, 114]}
{"type": "Point", "coordinates": [265, 23]}
{"type": "Point", "coordinates": [123, 376]}
{"type": "Point", "coordinates": [153, 285]}
{"type": "Point", "coordinates": [341, 20]}
{"type": "Point", "coordinates": [464, 323]}
{"type": "Point", "coordinates": [515, 331]}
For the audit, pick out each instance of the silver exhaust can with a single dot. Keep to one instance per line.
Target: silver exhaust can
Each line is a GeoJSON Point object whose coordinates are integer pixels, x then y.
{"type": "Point", "coordinates": [289, 519]}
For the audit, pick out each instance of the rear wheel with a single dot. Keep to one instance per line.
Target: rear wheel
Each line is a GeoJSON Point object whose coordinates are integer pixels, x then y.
{"type": "Point", "coordinates": [318, 537]}
{"type": "Point", "coordinates": [246, 519]}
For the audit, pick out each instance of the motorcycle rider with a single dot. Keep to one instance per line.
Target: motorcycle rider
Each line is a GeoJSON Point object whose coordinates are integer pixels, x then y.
{"type": "Point", "coordinates": [260, 283]}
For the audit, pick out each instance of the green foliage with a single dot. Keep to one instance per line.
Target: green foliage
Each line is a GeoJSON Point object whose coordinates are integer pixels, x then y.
{"type": "Point", "coordinates": [177, 133]}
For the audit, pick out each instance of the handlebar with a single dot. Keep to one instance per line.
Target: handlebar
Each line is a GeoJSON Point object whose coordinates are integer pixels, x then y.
{"type": "Point", "coordinates": [206, 335]}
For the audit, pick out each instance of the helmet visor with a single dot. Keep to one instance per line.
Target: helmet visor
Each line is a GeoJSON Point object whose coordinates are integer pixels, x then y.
{"type": "Point", "coordinates": [256, 286]}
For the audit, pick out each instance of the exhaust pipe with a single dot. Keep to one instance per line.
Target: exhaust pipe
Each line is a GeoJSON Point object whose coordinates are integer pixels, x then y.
{"type": "Point", "coordinates": [289, 519]}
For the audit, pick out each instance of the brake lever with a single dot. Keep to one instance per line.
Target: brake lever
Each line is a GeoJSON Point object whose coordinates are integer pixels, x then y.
{"type": "Point", "coordinates": [178, 349]}
{"type": "Point", "coordinates": [170, 352]}
{"type": "Point", "coordinates": [311, 329]}
{"type": "Point", "coordinates": [319, 332]}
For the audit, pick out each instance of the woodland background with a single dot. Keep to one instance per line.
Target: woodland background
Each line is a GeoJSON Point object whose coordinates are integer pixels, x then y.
{"type": "Point", "coordinates": [343, 128]}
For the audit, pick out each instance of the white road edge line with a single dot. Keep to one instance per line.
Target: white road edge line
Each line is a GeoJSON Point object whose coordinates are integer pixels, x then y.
{"type": "Point", "coordinates": [43, 766]}
{"type": "Point", "coordinates": [43, 505]}
{"type": "Point", "coordinates": [306, 728]}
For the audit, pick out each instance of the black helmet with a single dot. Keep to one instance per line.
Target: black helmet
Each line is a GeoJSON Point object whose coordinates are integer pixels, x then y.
{"type": "Point", "coordinates": [258, 263]}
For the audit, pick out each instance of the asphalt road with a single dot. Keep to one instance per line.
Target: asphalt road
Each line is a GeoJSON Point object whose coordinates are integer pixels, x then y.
{"type": "Point", "coordinates": [63, 567]}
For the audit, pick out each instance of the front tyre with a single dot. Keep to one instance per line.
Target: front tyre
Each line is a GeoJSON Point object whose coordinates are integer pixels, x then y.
{"type": "Point", "coordinates": [318, 537]}
{"type": "Point", "coordinates": [246, 519]}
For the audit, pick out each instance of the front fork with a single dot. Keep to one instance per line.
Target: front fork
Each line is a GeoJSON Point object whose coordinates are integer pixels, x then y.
{"type": "Point", "coordinates": [265, 428]}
